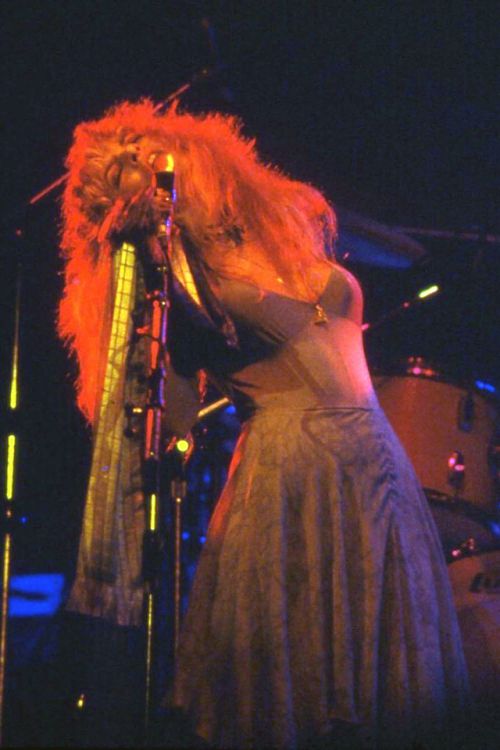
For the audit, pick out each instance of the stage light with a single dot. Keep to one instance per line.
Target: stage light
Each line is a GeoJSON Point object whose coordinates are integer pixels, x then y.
{"type": "Point", "coordinates": [182, 445]}
{"type": "Point", "coordinates": [428, 291]}
{"type": "Point", "coordinates": [13, 399]}
{"type": "Point", "coordinates": [152, 512]}
{"type": "Point", "coordinates": [495, 527]}
{"type": "Point", "coordinates": [36, 594]}
{"type": "Point", "coordinates": [485, 386]}
{"type": "Point", "coordinates": [11, 465]}
{"type": "Point", "coordinates": [14, 392]}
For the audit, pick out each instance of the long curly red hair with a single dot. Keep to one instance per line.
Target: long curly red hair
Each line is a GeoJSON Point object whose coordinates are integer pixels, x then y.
{"type": "Point", "coordinates": [226, 196]}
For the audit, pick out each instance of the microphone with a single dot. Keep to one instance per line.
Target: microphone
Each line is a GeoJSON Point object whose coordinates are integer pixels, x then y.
{"type": "Point", "coordinates": [162, 164]}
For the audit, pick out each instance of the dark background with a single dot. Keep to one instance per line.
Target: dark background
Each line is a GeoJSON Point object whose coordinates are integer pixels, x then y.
{"type": "Point", "coordinates": [389, 107]}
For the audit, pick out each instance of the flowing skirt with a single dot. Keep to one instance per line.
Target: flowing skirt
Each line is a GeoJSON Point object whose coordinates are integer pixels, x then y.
{"type": "Point", "coordinates": [322, 594]}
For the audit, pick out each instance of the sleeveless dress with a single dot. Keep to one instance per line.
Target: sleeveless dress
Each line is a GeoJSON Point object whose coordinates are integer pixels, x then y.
{"type": "Point", "coordinates": [321, 597]}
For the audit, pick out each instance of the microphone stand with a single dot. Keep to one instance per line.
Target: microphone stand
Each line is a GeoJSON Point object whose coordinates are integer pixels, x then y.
{"type": "Point", "coordinates": [8, 520]}
{"type": "Point", "coordinates": [157, 274]}
{"type": "Point", "coordinates": [157, 295]}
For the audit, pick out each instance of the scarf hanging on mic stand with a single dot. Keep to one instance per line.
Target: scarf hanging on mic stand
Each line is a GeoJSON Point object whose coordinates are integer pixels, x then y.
{"type": "Point", "coordinates": [108, 580]}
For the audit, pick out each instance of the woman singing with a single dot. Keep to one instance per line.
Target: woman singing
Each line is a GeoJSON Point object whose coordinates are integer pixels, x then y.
{"type": "Point", "coordinates": [321, 604]}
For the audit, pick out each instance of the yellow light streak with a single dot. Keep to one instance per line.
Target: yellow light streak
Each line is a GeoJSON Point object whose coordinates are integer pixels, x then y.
{"type": "Point", "coordinates": [14, 390]}
{"type": "Point", "coordinates": [11, 465]}
{"type": "Point", "coordinates": [428, 291]}
{"type": "Point", "coordinates": [153, 504]}
{"type": "Point", "coordinates": [150, 609]}
{"type": "Point", "coordinates": [13, 400]}
{"type": "Point", "coordinates": [80, 703]}
{"type": "Point", "coordinates": [170, 163]}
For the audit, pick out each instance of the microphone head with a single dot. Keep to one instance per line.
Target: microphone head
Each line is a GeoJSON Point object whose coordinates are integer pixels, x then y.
{"type": "Point", "coordinates": [162, 165]}
{"type": "Point", "coordinates": [164, 181]}
{"type": "Point", "coordinates": [161, 162]}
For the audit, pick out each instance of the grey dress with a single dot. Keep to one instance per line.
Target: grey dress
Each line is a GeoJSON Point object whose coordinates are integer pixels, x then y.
{"type": "Point", "coordinates": [321, 595]}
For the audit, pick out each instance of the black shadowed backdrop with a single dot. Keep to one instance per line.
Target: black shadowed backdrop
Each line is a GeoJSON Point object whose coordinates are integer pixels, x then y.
{"type": "Point", "coordinates": [390, 108]}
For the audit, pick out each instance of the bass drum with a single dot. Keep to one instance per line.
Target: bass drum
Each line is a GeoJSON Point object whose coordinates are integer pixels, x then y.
{"type": "Point", "coordinates": [475, 582]}
{"type": "Point", "coordinates": [448, 432]}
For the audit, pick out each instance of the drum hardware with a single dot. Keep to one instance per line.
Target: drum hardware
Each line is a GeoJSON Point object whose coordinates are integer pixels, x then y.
{"type": "Point", "coordinates": [475, 581]}
{"type": "Point", "coordinates": [489, 582]}
{"type": "Point", "coordinates": [494, 465]}
{"type": "Point", "coordinates": [451, 234]}
{"type": "Point", "coordinates": [419, 367]}
{"type": "Point", "coordinates": [213, 407]}
{"type": "Point", "coordinates": [178, 494]}
{"type": "Point", "coordinates": [456, 473]}
{"type": "Point", "coordinates": [418, 298]}
{"type": "Point", "coordinates": [464, 528]}
{"type": "Point", "coordinates": [494, 457]}
{"type": "Point", "coordinates": [363, 240]}
{"type": "Point", "coordinates": [468, 547]}
{"type": "Point", "coordinates": [135, 421]}
{"type": "Point", "coordinates": [466, 413]}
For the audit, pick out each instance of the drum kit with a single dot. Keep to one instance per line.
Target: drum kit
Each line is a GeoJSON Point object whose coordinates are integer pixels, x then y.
{"type": "Point", "coordinates": [449, 427]}
{"type": "Point", "coordinates": [451, 432]}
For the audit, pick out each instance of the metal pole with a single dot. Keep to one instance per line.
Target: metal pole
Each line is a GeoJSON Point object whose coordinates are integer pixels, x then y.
{"type": "Point", "coordinates": [178, 489]}
{"type": "Point", "coordinates": [157, 280]}
{"type": "Point", "coordinates": [11, 449]}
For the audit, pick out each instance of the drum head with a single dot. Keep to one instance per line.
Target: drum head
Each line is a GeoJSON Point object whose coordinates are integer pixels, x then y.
{"type": "Point", "coordinates": [447, 431]}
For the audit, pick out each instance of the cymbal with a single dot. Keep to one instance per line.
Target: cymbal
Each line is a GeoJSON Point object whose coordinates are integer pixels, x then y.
{"type": "Point", "coordinates": [363, 240]}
